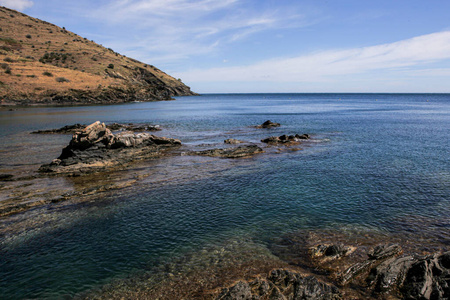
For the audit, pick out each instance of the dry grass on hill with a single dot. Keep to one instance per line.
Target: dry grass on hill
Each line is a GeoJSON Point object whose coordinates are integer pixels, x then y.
{"type": "Point", "coordinates": [30, 48]}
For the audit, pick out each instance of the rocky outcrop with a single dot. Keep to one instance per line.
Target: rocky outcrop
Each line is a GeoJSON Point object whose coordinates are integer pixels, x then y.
{"type": "Point", "coordinates": [281, 284]}
{"type": "Point", "coordinates": [71, 129]}
{"type": "Point", "coordinates": [238, 152]}
{"type": "Point", "coordinates": [268, 124]}
{"type": "Point", "coordinates": [232, 141]}
{"type": "Point", "coordinates": [285, 139]}
{"type": "Point", "coordinates": [96, 148]}
{"type": "Point", "coordinates": [375, 255]}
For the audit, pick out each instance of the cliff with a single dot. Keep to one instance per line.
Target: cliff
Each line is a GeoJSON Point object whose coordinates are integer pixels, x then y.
{"type": "Point", "coordinates": [41, 63]}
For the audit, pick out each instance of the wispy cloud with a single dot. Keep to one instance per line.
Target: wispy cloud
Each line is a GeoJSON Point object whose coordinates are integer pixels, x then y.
{"type": "Point", "coordinates": [181, 28]}
{"type": "Point", "coordinates": [17, 4]}
{"type": "Point", "coordinates": [323, 66]}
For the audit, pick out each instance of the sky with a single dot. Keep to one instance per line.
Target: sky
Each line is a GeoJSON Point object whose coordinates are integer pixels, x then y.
{"type": "Point", "coordinates": [245, 46]}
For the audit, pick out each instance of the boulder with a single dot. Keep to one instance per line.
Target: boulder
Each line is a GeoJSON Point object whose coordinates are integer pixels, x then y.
{"type": "Point", "coordinates": [268, 124]}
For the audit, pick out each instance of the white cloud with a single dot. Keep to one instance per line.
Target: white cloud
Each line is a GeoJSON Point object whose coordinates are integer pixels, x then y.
{"type": "Point", "coordinates": [330, 65]}
{"type": "Point", "coordinates": [17, 4]}
{"type": "Point", "coordinates": [184, 28]}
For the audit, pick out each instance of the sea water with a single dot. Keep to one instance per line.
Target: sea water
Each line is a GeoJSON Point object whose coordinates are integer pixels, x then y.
{"type": "Point", "coordinates": [379, 162]}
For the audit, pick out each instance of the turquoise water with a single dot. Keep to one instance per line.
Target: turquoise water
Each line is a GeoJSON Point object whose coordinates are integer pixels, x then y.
{"type": "Point", "coordinates": [377, 161]}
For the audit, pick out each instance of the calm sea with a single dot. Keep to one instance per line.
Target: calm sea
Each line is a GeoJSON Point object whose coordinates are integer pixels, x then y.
{"type": "Point", "coordinates": [377, 162]}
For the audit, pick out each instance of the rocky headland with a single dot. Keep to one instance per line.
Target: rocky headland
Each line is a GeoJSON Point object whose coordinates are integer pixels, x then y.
{"type": "Point", "coordinates": [44, 64]}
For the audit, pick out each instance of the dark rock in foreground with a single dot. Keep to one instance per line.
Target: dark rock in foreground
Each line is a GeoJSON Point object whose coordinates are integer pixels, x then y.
{"type": "Point", "coordinates": [71, 129]}
{"type": "Point", "coordinates": [281, 284]}
{"type": "Point", "coordinates": [96, 148]}
{"type": "Point", "coordinates": [268, 124]}
{"type": "Point", "coordinates": [238, 152]}
{"type": "Point", "coordinates": [285, 139]}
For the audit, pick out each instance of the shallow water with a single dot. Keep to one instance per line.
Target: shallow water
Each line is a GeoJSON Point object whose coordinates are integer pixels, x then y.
{"type": "Point", "coordinates": [379, 162]}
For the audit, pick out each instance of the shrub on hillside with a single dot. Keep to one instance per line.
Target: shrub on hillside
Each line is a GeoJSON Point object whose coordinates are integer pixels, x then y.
{"type": "Point", "coordinates": [62, 79]}
{"type": "Point", "coordinates": [8, 59]}
{"type": "Point", "coordinates": [48, 74]}
{"type": "Point", "coordinates": [28, 36]}
{"type": "Point", "coordinates": [111, 66]}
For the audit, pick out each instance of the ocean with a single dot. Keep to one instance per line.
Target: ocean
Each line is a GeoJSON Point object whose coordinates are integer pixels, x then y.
{"type": "Point", "coordinates": [376, 165]}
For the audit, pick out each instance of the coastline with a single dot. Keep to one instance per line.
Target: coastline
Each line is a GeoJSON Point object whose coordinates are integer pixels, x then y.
{"type": "Point", "coordinates": [133, 197]}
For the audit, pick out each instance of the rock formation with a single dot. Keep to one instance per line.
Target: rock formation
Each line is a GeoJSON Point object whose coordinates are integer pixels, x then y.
{"type": "Point", "coordinates": [238, 152]}
{"type": "Point", "coordinates": [97, 148]}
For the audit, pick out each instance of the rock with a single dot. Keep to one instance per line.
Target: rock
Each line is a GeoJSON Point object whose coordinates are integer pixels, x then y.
{"type": "Point", "coordinates": [71, 129]}
{"type": "Point", "coordinates": [389, 274]}
{"type": "Point", "coordinates": [330, 251]}
{"type": "Point", "coordinates": [268, 124]}
{"type": "Point", "coordinates": [240, 290]}
{"type": "Point", "coordinates": [384, 251]}
{"type": "Point", "coordinates": [6, 177]}
{"type": "Point", "coordinates": [280, 285]}
{"type": "Point", "coordinates": [376, 254]}
{"type": "Point", "coordinates": [96, 133]}
{"type": "Point", "coordinates": [133, 127]}
{"type": "Point", "coordinates": [96, 148]}
{"type": "Point", "coordinates": [353, 271]}
{"type": "Point", "coordinates": [63, 130]}
{"type": "Point", "coordinates": [285, 139]}
{"type": "Point", "coordinates": [232, 141]}
{"type": "Point", "coordinates": [238, 152]}
{"type": "Point", "coordinates": [428, 278]}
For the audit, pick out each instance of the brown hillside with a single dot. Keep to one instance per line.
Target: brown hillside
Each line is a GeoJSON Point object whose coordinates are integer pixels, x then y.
{"type": "Point", "coordinates": [41, 63]}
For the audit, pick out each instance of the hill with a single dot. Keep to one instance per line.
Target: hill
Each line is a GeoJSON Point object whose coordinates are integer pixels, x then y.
{"type": "Point", "coordinates": [41, 63]}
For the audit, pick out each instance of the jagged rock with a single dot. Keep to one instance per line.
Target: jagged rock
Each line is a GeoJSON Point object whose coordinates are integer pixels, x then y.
{"type": "Point", "coordinates": [428, 278]}
{"type": "Point", "coordinates": [97, 148]}
{"type": "Point", "coordinates": [280, 285]}
{"type": "Point", "coordinates": [384, 251]}
{"type": "Point", "coordinates": [330, 251]}
{"type": "Point", "coordinates": [268, 124]}
{"type": "Point", "coordinates": [389, 274]}
{"type": "Point", "coordinates": [285, 139]}
{"type": "Point", "coordinates": [133, 127]}
{"type": "Point", "coordinates": [240, 290]}
{"type": "Point", "coordinates": [63, 130]}
{"type": "Point", "coordinates": [232, 141]}
{"type": "Point", "coordinates": [241, 151]}
{"type": "Point", "coordinates": [377, 254]}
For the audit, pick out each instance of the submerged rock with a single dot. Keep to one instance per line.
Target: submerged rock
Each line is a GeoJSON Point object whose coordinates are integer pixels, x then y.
{"type": "Point", "coordinates": [268, 124]}
{"type": "Point", "coordinates": [330, 252]}
{"type": "Point", "coordinates": [237, 152]}
{"type": "Point", "coordinates": [281, 284]}
{"type": "Point", "coordinates": [285, 139]}
{"type": "Point", "coordinates": [96, 148]}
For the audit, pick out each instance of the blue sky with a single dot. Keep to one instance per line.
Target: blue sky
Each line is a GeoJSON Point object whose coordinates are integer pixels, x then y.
{"type": "Point", "coordinates": [271, 46]}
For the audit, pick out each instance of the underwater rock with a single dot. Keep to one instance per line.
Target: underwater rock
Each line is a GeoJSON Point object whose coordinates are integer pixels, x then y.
{"type": "Point", "coordinates": [237, 152]}
{"type": "Point", "coordinates": [329, 252]}
{"type": "Point", "coordinates": [96, 148]}
{"type": "Point", "coordinates": [268, 124]}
